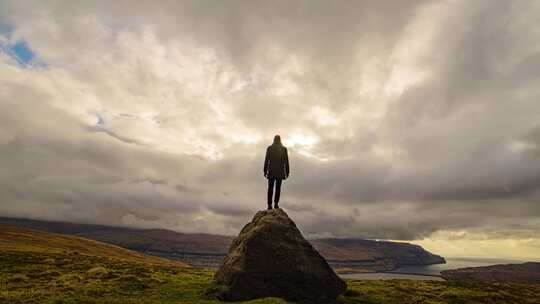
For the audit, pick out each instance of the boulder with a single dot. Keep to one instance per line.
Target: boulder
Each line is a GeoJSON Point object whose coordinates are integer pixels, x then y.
{"type": "Point", "coordinates": [271, 258]}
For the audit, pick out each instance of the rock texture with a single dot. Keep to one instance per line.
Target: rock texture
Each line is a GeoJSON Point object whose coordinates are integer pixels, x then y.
{"type": "Point", "coordinates": [271, 258]}
{"type": "Point", "coordinates": [517, 273]}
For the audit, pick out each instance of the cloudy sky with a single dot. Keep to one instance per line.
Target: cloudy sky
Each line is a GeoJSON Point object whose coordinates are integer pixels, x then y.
{"type": "Point", "coordinates": [404, 120]}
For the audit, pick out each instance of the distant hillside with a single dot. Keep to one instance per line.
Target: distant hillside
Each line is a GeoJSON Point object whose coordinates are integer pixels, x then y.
{"type": "Point", "coordinates": [387, 255]}
{"type": "Point", "coordinates": [17, 239]}
{"type": "Point", "coordinates": [152, 241]}
{"type": "Point", "coordinates": [208, 249]}
{"type": "Point", "coordinates": [517, 273]}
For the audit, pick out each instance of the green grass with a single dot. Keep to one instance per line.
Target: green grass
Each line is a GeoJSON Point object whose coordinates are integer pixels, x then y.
{"type": "Point", "coordinates": [68, 277]}
{"type": "Point", "coordinates": [28, 240]}
{"type": "Point", "coordinates": [30, 277]}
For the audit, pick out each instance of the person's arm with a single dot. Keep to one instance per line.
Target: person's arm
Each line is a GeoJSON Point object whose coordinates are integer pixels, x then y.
{"type": "Point", "coordinates": [286, 163]}
{"type": "Point", "coordinates": [265, 167]}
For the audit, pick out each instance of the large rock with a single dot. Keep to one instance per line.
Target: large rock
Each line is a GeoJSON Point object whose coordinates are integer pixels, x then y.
{"type": "Point", "coordinates": [271, 258]}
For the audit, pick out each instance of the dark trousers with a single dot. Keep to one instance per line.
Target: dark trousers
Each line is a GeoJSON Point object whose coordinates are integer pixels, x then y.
{"type": "Point", "coordinates": [271, 182]}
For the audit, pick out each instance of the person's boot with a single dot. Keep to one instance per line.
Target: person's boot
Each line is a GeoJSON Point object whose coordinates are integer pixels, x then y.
{"type": "Point", "coordinates": [276, 206]}
{"type": "Point", "coordinates": [269, 207]}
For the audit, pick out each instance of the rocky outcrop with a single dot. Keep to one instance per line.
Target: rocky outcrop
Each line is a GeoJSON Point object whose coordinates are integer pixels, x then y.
{"type": "Point", "coordinates": [517, 273]}
{"type": "Point", "coordinates": [271, 258]}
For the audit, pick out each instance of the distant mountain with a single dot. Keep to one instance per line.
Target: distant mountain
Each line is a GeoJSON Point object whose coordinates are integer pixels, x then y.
{"type": "Point", "coordinates": [209, 249]}
{"type": "Point", "coordinates": [17, 239]}
{"type": "Point", "coordinates": [383, 255]}
{"type": "Point", "coordinates": [517, 273]}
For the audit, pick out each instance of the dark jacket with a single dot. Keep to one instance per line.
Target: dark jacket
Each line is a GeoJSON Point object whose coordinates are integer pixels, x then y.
{"type": "Point", "coordinates": [276, 161]}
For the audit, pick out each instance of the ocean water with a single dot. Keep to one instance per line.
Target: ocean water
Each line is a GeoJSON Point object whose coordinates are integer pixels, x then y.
{"type": "Point", "coordinates": [428, 272]}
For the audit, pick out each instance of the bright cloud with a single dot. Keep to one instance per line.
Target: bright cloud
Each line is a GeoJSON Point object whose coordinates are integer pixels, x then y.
{"type": "Point", "coordinates": [412, 120]}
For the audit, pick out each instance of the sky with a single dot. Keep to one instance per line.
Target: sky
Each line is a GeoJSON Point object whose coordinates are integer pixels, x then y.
{"type": "Point", "coordinates": [404, 120]}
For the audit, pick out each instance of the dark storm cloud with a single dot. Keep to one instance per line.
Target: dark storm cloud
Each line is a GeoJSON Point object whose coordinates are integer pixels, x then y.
{"type": "Point", "coordinates": [402, 118]}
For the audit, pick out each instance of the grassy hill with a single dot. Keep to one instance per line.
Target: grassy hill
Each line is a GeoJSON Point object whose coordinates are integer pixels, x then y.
{"type": "Point", "coordinates": [27, 240]}
{"type": "Point", "coordinates": [40, 267]}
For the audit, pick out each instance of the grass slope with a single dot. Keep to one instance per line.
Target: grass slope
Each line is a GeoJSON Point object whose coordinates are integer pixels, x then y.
{"type": "Point", "coordinates": [35, 267]}
{"type": "Point", "coordinates": [27, 240]}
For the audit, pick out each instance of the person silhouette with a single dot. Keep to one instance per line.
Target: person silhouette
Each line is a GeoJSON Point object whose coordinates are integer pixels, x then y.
{"type": "Point", "coordinates": [276, 169]}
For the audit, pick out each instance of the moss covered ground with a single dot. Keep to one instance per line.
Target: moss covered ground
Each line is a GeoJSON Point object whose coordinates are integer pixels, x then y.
{"type": "Point", "coordinates": [71, 277]}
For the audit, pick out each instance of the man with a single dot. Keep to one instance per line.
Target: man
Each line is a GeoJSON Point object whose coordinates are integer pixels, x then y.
{"type": "Point", "coordinates": [276, 169]}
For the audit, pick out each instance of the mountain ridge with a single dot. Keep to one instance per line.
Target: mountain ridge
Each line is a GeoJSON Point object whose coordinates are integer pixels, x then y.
{"type": "Point", "coordinates": [20, 239]}
{"type": "Point", "coordinates": [202, 249]}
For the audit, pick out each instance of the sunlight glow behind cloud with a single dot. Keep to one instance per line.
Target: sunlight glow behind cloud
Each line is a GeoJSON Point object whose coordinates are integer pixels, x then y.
{"type": "Point", "coordinates": [409, 120]}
